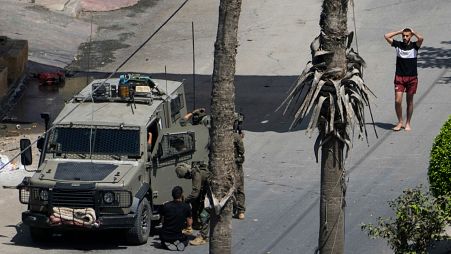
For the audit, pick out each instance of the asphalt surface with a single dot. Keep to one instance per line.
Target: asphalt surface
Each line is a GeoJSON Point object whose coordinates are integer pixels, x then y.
{"type": "Point", "coordinates": [282, 177]}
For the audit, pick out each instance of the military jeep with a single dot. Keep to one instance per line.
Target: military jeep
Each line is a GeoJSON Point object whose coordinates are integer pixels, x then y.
{"type": "Point", "coordinates": [108, 159]}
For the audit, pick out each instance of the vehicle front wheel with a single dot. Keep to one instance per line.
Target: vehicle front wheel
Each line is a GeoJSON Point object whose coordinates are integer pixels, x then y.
{"type": "Point", "coordinates": [139, 233]}
{"type": "Point", "coordinates": [40, 234]}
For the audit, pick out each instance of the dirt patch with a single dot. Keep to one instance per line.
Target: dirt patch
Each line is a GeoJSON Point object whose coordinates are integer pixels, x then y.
{"type": "Point", "coordinates": [95, 5]}
{"type": "Point", "coordinates": [95, 54]}
{"type": "Point", "coordinates": [141, 7]}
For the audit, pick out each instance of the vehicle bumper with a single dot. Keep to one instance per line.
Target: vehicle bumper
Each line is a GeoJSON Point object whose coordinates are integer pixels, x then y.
{"type": "Point", "coordinates": [105, 221]}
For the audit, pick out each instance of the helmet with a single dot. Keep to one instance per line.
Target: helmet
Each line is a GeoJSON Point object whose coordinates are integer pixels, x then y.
{"type": "Point", "coordinates": [182, 169]}
{"type": "Point", "coordinates": [198, 115]}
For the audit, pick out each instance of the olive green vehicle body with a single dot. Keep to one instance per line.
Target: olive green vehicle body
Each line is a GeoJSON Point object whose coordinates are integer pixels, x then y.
{"type": "Point", "coordinates": [99, 144]}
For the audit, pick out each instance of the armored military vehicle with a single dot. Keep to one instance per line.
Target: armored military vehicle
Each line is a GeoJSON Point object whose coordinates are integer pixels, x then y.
{"type": "Point", "coordinates": [108, 160]}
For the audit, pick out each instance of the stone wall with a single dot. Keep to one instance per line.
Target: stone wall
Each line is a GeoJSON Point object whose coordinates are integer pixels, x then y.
{"type": "Point", "coordinates": [14, 55]}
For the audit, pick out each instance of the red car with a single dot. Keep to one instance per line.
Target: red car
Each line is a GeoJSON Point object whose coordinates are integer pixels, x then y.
{"type": "Point", "coordinates": [51, 78]}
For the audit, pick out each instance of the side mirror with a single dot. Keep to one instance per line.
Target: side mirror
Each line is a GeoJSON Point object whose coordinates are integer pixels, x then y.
{"type": "Point", "coordinates": [25, 149]}
{"type": "Point", "coordinates": [40, 143]}
{"type": "Point", "coordinates": [46, 117]}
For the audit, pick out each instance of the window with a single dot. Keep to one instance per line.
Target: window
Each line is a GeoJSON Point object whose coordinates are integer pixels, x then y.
{"type": "Point", "coordinates": [103, 140]}
{"type": "Point", "coordinates": [152, 135]}
{"type": "Point", "coordinates": [176, 105]}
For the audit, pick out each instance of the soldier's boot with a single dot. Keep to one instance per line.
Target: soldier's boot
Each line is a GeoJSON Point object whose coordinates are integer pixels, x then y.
{"type": "Point", "coordinates": [241, 215]}
{"type": "Point", "coordinates": [188, 230]}
{"type": "Point", "coordinates": [199, 240]}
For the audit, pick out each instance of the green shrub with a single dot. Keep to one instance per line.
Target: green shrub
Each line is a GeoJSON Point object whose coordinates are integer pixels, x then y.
{"type": "Point", "coordinates": [440, 162]}
{"type": "Point", "coordinates": [419, 220]}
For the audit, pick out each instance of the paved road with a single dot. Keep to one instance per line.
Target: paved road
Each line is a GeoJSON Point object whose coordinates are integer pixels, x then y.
{"type": "Point", "coordinates": [282, 178]}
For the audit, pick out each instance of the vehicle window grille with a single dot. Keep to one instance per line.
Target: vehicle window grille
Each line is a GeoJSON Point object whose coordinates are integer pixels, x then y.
{"type": "Point", "coordinates": [108, 141]}
{"type": "Point", "coordinates": [177, 145]}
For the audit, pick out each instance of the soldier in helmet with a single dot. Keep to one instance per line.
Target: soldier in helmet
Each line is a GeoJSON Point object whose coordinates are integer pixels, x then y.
{"type": "Point", "coordinates": [239, 205]}
{"type": "Point", "coordinates": [199, 176]}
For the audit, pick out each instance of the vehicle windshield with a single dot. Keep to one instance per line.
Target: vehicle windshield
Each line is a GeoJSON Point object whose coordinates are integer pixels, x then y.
{"type": "Point", "coordinates": [96, 140]}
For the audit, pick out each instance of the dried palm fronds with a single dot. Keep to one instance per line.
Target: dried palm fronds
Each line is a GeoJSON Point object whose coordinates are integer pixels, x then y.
{"type": "Point", "coordinates": [336, 106]}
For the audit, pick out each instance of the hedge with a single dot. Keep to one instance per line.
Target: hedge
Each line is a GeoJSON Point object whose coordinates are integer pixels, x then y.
{"type": "Point", "coordinates": [439, 172]}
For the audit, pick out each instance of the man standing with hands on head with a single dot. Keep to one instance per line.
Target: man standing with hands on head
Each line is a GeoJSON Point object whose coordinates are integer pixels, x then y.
{"type": "Point", "coordinates": [406, 76]}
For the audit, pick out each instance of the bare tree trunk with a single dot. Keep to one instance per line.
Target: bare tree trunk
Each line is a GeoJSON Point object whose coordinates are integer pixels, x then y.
{"type": "Point", "coordinates": [222, 160]}
{"type": "Point", "coordinates": [331, 234]}
{"type": "Point", "coordinates": [333, 24]}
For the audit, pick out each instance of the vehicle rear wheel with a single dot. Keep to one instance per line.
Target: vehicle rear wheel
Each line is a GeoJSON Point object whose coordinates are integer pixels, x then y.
{"type": "Point", "coordinates": [139, 233]}
{"type": "Point", "coordinates": [40, 234]}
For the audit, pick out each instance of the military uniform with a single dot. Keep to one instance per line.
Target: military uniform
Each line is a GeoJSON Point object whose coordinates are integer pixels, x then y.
{"type": "Point", "coordinates": [196, 198]}
{"type": "Point", "coordinates": [199, 176]}
{"type": "Point", "coordinates": [240, 198]}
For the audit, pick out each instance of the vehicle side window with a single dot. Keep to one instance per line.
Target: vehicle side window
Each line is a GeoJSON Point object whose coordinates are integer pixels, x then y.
{"type": "Point", "coordinates": [176, 145]}
{"type": "Point", "coordinates": [176, 106]}
{"type": "Point", "coordinates": [152, 135]}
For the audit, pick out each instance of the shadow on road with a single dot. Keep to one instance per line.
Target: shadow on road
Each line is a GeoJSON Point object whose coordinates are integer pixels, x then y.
{"type": "Point", "coordinates": [81, 240]}
{"type": "Point", "coordinates": [257, 97]}
{"type": "Point", "coordinates": [430, 57]}
{"type": "Point", "coordinates": [385, 126]}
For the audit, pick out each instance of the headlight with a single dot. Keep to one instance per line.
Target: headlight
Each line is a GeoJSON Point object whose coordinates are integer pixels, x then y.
{"type": "Point", "coordinates": [24, 195]}
{"type": "Point", "coordinates": [114, 198]}
{"type": "Point", "coordinates": [44, 195]}
{"type": "Point", "coordinates": [108, 197]}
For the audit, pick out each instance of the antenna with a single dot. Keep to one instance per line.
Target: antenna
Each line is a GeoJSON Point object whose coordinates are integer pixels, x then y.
{"type": "Point", "coordinates": [166, 79]}
{"type": "Point", "coordinates": [92, 99]}
{"type": "Point", "coordinates": [194, 67]}
{"type": "Point", "coordinates": [89, 53]}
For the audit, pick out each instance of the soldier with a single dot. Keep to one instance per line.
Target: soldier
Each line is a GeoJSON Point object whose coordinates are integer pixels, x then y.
{"type": "Point", "coordinates": [239, 205]}
{"type": "Point", "coordinates": [199, 175]}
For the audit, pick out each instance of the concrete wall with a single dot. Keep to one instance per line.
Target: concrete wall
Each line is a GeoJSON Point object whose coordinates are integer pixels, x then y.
{"type": "Point", "coordinates": [14, 55]}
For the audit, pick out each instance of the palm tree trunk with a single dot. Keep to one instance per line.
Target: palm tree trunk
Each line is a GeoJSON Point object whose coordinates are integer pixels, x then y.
{"type": "Point", "coordinates": [331, 234]}
{"type": "Point", "coordinates": [333, 24]}
{"type": "Point", "coordinates": [222, 161]}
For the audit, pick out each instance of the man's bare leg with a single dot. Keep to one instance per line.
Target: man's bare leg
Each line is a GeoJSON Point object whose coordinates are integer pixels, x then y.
{"type": "Point", "coordinates": [398, 109]}
{"type": "Point", "coordinates": [409, 99]}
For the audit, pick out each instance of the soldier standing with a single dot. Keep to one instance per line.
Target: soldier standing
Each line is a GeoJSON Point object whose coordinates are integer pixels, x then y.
{"type": "Point", "coordinates": [239, 206]}
{"type": "Point", "coordinates": [199, 176]}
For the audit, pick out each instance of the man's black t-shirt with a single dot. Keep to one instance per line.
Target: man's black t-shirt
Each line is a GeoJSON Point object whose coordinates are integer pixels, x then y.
{"type": "Point", "coordinates": [175, 215]}
{"type": "Point", "coordinates": [406, 58]}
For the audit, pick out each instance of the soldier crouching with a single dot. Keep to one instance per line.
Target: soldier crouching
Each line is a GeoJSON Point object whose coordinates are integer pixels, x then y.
{"type": "Point", "coordinates": [199, 176]}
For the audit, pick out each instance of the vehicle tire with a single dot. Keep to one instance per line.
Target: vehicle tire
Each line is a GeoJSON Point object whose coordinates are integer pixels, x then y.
{"type": "Point", "coordinates": [40, 234]}
{"type": "Point", "coordinates": [139, 233]}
